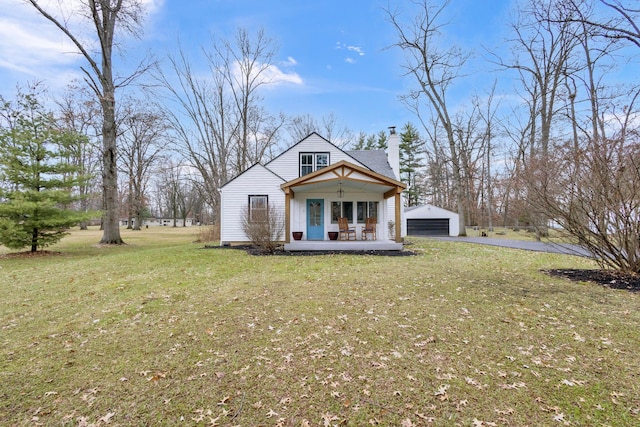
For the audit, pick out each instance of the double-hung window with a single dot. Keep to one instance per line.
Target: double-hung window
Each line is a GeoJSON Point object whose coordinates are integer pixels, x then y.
{"type": "Point", "coordinates": [311, 162]}
{"type": "Point", "coordinates": [366, 210]}
{"type": "Point", "coordinates": [341, 209]}
{"type": "Point", "coordinates": [258, 208]}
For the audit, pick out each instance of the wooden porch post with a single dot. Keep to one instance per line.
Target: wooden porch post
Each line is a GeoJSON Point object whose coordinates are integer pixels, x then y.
{"type": "Point", "coordinates": [287, 218]}
{"type": "Point", "coordinates": [398, 217]}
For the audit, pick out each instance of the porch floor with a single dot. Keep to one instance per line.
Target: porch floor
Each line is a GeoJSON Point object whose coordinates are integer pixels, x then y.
{"type": "Point", "coordinates": [343, 245]}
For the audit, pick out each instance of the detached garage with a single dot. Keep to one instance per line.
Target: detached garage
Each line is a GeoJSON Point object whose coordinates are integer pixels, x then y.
{"type": "Point", "coordinates": [428, 220]}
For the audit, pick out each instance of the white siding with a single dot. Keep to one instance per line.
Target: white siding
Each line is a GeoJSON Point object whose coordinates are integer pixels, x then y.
{"type": "Point", "coordinates": [287, 165]}
{"type": "Point", "coordinates": [234, 197]}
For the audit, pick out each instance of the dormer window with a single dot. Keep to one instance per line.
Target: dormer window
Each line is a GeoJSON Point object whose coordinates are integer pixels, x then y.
{"type": "Point", "coordinates": [311, 162]}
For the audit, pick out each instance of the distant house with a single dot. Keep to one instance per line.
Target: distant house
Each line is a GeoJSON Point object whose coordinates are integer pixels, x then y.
{"type": "Point", "coordinates": [313, 184]}
{"type": "Point", "coordinates": [160, 222]}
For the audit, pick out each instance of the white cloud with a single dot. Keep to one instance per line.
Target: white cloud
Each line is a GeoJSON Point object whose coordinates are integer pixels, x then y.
{"type": "Point", "coordinates": [277, 76]}
{"type": "Point", "coordinates": [291, 61]}
{"type": "Point", "coordinates": [356, 49]}
{"type": "Point", "coordinates": [32, 46]}
{"type": "Point", "coordinates": [29, 44]}
{"type": "Point", "coordinates": [153, 5]}
{"type": "Point", "coordinates": [352, 49]}
{"type": "Point", "coordinates": [273, 75]}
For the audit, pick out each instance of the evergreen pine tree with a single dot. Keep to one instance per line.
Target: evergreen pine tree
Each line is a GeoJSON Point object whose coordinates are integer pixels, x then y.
{"type": "Point", "coordinates": [381, 141]}
{"type": "Point", "coordinates": [37, 181]}
{"type": "Point", "coordinates": [411, 163]}
{"type": "Point", "coordinates": [374, 141]}
{"type": "Point", "coordinates": [361, 141]}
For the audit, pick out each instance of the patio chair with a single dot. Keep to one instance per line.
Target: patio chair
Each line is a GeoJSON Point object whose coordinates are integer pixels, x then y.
{"type": "Point", "coordinates": [344, 230]}
{"type": "Point", "coordinates": [369, 229]}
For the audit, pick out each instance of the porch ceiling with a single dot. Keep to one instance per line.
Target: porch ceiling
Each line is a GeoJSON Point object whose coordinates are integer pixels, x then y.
{"type": "Point", "coordinates": [331, 185]}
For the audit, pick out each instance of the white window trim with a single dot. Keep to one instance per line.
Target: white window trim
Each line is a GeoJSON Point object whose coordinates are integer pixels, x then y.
{"type": "Point", "coordinates": [314, 164]}
{"type": "Point", "coordinates": [256, 197]}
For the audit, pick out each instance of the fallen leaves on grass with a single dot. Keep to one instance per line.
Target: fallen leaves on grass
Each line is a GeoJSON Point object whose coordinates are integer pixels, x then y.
{"type": "Point", "coordinates": [327, 418]}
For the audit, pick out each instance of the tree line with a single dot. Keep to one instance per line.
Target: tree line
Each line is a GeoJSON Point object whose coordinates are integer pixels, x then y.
{"type": "Point", "coordinates": [559, 148]}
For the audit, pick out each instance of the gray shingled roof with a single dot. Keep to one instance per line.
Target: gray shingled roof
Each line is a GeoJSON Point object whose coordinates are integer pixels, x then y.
{"type": "Point", "coordinates": [376, 160]}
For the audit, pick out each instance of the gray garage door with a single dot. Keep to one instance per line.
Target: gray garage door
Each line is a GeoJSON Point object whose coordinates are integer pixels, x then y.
{"type": "Point", "coordinates": [428, 227]}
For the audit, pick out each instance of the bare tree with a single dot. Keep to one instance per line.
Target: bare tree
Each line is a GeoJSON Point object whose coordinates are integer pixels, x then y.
{"type": "Point", "coordinates": [595, 58]}
{"type": "Point", "coordinates": [107, 17]}
{"type": "Point", "coordinates": [219, 123]}
{"type": "Point", "coordinates": [593, 194]}
{"type": "Point", "coordinates": [264, 227]}
{"type": "Point", "coordinates": [470, 143]}
{"type": "Point", "coordinates": [542, 48]}
{"type": "Point", "coordinates": [438, 168]}
{"type": "Point", "coordinates": [188, 200]}
{"type": "Point", "coordinates": [169, 189]}
{"type": "Point", "coordinates": [80, 112]}
{"type": "Point", "coordinates": [591, 182]}
{"type": "Point", "coordinates": [196, 110]}
{"type": "Point", "coordinates": [434, 69]}
{"type": "Point", "coordinates": [488, 117]}
{"type": "Point", "coordinates": [143, 138]}
{"type": "Point", "coordinates": [301, 126]}
{"type": "Point", "coordinates": [179, 194]}
{"type": "Point", "coordinates": [244, 64]}
{"type": "Point", "coordinates": [622, 24]}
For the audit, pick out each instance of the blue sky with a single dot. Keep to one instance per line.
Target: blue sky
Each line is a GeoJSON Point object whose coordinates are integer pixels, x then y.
{"type": "Point", "coordinates": [332, 54]}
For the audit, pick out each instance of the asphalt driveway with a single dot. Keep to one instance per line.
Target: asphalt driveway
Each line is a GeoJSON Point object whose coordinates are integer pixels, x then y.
{"type": "Point", "coordinates": [527, 245]}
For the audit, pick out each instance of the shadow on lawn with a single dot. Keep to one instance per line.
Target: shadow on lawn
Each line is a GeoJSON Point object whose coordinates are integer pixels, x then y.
{"type": "Point", "coordinates": [29, 254]}
{"type": "Point", "coordinates": [606, 278]}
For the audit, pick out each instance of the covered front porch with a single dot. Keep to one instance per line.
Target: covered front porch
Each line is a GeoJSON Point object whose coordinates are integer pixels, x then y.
{"type": "Point", "coordinates": [314, 203]}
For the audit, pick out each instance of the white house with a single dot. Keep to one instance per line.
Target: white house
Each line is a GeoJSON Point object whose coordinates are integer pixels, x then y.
{"type": "Point", "coordinates": [314, 183]}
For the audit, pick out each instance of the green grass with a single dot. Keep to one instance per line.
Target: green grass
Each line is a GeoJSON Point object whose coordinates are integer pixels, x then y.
{"type": "Point", "coordinates": [163, 332]}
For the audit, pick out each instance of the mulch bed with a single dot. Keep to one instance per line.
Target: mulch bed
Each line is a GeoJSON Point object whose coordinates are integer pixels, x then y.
{"type": "Point", "coordinates": [257, 251]}
{"type": "Point", "coordinates": [607, 278]}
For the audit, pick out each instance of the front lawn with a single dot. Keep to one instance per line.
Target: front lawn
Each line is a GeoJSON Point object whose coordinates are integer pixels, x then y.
{"type": "Point", "coordinates": [164, 332]}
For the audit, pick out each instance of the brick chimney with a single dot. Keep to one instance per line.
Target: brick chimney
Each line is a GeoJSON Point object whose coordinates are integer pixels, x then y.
{"type": "Point", "coordinates": [393, 151]}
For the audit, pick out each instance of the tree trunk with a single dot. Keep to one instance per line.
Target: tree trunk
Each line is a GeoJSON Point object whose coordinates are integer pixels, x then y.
{"type": "Point", "coordinates": [111, 233]}
{"type": "Point", "coordinates": [130, 207]}
{"type": "Point", "coordinates": [34, 240]}
{"type": "Point", "coordinates": [138, 220]}
{"type": "Point", "coordinates": [175, 216]}
{"type": "Point", "coordinates": [460, 200]}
